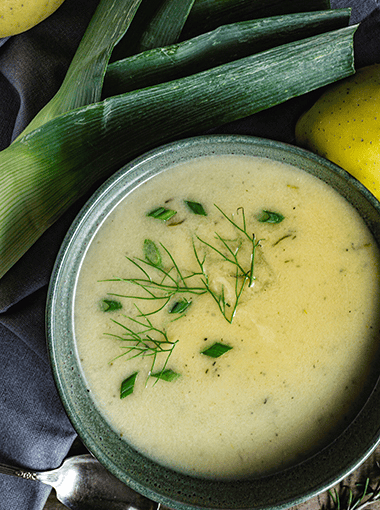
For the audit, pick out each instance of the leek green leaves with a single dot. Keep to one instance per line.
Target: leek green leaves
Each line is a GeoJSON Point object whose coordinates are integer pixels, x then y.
{"type": "Point", "coordinates": [77, 140]}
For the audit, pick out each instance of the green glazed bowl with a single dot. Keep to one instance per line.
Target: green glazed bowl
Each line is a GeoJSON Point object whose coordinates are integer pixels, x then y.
{"type": "Point", "coordinates": [173, 489]}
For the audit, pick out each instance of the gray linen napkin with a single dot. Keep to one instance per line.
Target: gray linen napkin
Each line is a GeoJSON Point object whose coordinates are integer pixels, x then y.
{"type": "Point", "coordinates": [34, 429]}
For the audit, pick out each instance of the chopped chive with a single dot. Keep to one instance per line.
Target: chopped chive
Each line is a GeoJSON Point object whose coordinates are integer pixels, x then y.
{"type": "Point", "coordinates": [216, 350]}
{"type": "Point", "coordinates": [152, 253]}
{"type": "Point", "coordinates": [196, 208]}
{"type": "Point", "coordinates": [127, 386]}
{"type": "Point", "coordinates": [270, 217]}
{"type": "Point", "coordinates": [167, 375]}
{"type": "Point", "coordinates": [110, 305]}
{"type": "Point", "coordinates": [160, 213]}
{"type": "Point", "coordinates": [180, 306]}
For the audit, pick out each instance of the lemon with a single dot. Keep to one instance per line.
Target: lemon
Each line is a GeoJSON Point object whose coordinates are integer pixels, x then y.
{"type": "Point", "coordinates": [17, 16]}
{"type": "Point", "coordinates": [344, 126]}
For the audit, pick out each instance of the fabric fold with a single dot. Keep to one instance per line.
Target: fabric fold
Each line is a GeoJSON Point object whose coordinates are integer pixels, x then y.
{"type": "Point", "coordinates": [35, 430]}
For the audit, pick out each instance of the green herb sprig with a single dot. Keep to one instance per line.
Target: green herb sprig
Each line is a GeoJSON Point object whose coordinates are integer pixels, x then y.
{"type": "Point", "coordinates": [161, 285]}
{"type": "Point", "coordinates": [166, 284]}
{"type": "Point", "coordinates": [242, 275]}
{"type": "Point", "coordinates": [142, 342]}
{"type": "Point", "coordinates": [347, 500]}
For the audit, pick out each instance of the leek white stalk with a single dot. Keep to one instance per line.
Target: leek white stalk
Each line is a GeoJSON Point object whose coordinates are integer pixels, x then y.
{"type": "Point", "coordinates": [84, 80]}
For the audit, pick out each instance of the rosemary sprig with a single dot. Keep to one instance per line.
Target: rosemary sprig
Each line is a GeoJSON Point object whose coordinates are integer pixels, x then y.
{"type": "Point", "coordinates": [348, 500]}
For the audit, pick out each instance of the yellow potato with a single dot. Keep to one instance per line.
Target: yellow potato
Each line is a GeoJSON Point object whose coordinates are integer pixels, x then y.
{"type": "Point", "coordinates": [17, 16]}
{"type": "Point", "coordinates": [344, 126]}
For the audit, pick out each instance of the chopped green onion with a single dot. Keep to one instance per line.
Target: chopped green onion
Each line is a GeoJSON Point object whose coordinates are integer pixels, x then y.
{"type": "Point", "coordinates": [110, 305]}
{"type": "Point", "coordinates": [216, 350]}
{"type": "Point", "coordinates": [196, 208]}
{"type": "Point", "coordinates": [128, 385]}
{"type": "Point", "coordinates": [180, 306]}
{"type": "Point", "coordinates": [152, 253]}
{"type": "Point", "coordinates": [162, 214]}
{"type": "Point", "coordinates": [167, 375]}
{"type": "Point", "coordinates": [270, 217]}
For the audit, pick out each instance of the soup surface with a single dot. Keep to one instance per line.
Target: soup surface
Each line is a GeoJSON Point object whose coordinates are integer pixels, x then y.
{"type": "Point", "coordinates": [236, 336]}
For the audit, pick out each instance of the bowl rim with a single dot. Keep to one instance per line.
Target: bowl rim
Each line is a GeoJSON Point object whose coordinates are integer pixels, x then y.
{"type": "Point", "coordinates": [281, 490]}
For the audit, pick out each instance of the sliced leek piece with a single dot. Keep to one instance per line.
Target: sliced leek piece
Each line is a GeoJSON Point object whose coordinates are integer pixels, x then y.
{"type": "Point", "coordinates": [128, 385]}
{"type": "Point", "coordinates": [216, 350]}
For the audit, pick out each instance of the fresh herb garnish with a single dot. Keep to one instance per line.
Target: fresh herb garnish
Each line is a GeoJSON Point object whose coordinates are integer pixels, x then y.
{"type": "Point", "coordinates": [196, 208]}
{"type": "Point", "coordinates": [142, 342]}
{"type": "Point", "coordinates": [216, 350]}
{"type": "Point", "coordinates": [241, 276]}
{"type": "Point", "coordinates": [180, 306]}
{"type": "Point", "coordinates": [168, 283]}
{"type": "Point", "coordinates": [164, 285]}
{"type": "Point", "coordinates": [152, 253]}
{"type": "Point", "coordinates": [161, 213]}
{"type": "Point", "coordinates": [110, 305]}
{"type": "Point", "coordinates": [128, 385]}
{"type": "Point", "coordinates": [270, 217]}
{"type": "Point", "coordinates": [163, 281]}
{"type": "Point", "coordinates": [167, 375]}
{"type": "Point", "coordinates": [348, 500]}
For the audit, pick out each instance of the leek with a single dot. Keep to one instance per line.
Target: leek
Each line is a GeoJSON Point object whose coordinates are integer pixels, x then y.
{"type": "Point", "coordinates": [89, 143]}
{"type": "Point", "coordinates": [84, 80]}
{"type": "Point", "coordinates": [196, 208]}
{"type": "Point", "coordinates": [167, 375]}
{"type": "Point", "coordinates": [216, 350]}
{"type": "Point", "coordinates": [128, 385]}
{"type": "Point", "coordinates": [166, 26]}
{"type": "Point", "coordinates": [209, 14]}
{"type": "Point", "coordinates": [228, 42]}
{"type": "Point", "coordinates": [154, 26]}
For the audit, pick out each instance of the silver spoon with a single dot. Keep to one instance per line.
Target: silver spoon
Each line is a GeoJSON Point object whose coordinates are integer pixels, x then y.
{"type": "Point", "coordinates": [81, 483]}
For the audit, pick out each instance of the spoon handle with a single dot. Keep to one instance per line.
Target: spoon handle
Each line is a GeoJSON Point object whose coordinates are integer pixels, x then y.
{"type": "Point", "coordinates": [17, 471]}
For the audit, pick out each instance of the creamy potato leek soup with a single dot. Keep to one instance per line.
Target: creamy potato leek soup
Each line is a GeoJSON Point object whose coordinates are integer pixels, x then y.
{"type": "Point", "coordinates": [227, 316]}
